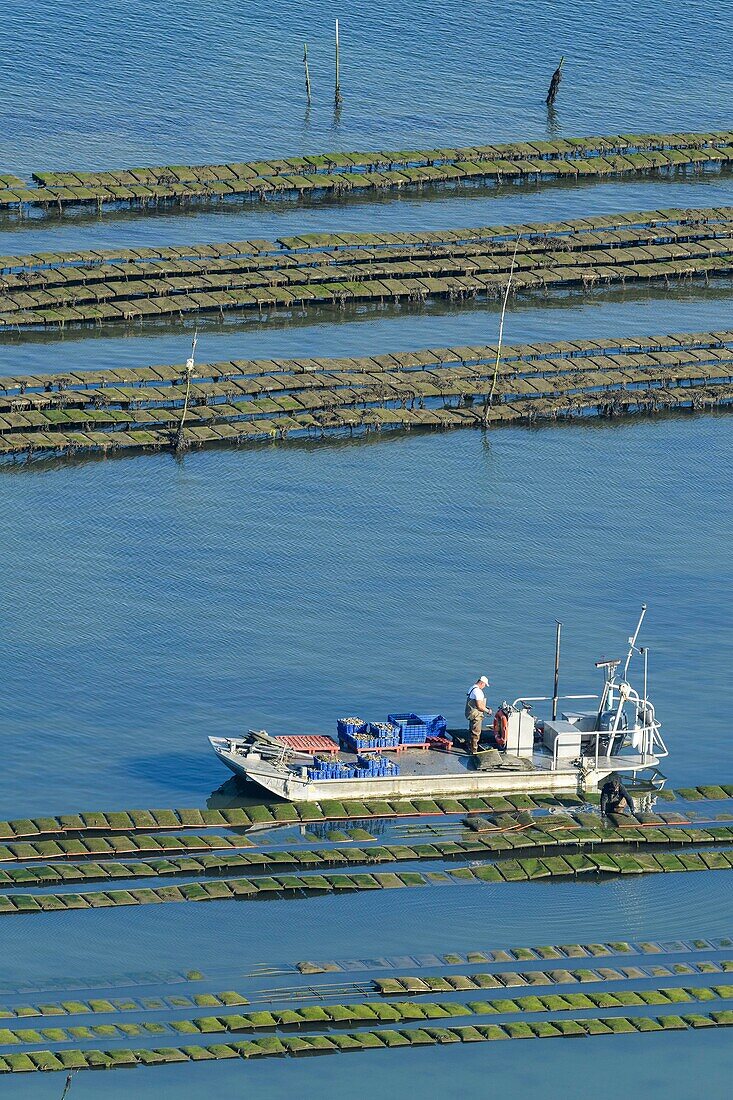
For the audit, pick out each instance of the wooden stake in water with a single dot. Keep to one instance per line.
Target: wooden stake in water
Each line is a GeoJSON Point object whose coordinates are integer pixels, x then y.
{"type": "Point", "coordinates": [307, 74]}
{"type": "Point", "coordinates": [180, 440]}
{"type": "Point", "coordinates": [555, 84]}
{"type": "Point", "coordinates": [337, 98]}
{"type": "Point", "coordinates": [490, 396]}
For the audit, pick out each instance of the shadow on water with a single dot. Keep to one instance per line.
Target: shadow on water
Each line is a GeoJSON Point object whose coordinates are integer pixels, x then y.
{"type": "Point", "coordinates": [338, 440]}
{"type": "Point", "coordinates": [234, 793]}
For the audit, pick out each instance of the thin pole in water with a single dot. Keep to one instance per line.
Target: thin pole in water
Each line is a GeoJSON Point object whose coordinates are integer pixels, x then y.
{"type": "Point", "coordinates": [180, 440]}
{"type": "Point", "coordinates": [337, 97]}
{"type": "Point", "coordinates": [307, 74]}
{"type": "Point", "coordinates": [490, 396]}
{"type": "Point", "coordinates": [555, 84]}
{"type": "Point", "coordinates": [558, 630]}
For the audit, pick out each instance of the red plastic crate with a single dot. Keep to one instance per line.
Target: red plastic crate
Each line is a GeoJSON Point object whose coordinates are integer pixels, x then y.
{"type": "Point", "coordinates": [440, 743]}
{"type": "Point", "coordinates": [309, 743]}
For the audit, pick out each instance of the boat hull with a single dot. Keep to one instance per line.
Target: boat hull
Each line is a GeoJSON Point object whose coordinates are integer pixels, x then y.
{"type": "Point", "coordinates": [295, 787]}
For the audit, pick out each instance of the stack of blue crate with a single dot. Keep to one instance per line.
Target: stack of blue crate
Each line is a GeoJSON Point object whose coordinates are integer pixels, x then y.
{"type": "Point", "coordinates": [386, 734]}
{"type": "Point", "coordinates": [373, 767]}
{"type": "Point", "coordinates": [436, 724]}
{"type": "Point", "coordinates": [366, 735]}
{"type": "Point", "coordinates": [413, 731]}
{"type": "Point", "coordinates": [326, 768]}
{"type": "Point", "coordinates": [347, 727]}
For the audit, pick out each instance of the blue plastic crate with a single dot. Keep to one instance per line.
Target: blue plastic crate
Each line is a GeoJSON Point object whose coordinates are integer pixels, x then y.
{"type": "Point", "coordinates": [386, 733]}
{"type": "Point", "coordinates": [359, 742]}
{"type": "Point", "coordinates": [436, 724]}
{"type": "Point", "coordinates": [413, 731]}
{"type": "Point", "coordinates": [414, 735]}
{"type": "Point", "coordinates": [331, 771]}
{"type": "Point", "coordinates": [346, 727]}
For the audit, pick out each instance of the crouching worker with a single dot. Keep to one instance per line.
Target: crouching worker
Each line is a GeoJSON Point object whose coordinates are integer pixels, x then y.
{"type": "Point", "coordinates": [614, 797]}
{"type": "Point", "coordinates": [476, 711]}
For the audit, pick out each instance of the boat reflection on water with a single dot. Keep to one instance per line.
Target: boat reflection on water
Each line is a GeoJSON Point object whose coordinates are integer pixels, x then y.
{"type": "Point", "coordinates": [237, 793]}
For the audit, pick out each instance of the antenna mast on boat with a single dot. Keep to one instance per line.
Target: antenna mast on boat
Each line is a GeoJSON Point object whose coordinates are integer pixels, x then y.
{"type": "Point", "coordinates": [558, 631]}
{"type": "Point", "coordinates": [180, 440]}
{"type": "Point", "coordinates": [632, 640]}
{"type": "Point", "coordinates": [490, 396]}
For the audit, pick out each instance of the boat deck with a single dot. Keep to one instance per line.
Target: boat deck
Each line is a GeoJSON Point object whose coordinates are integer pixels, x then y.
{"type": "Point", "coordinates": [421, 762]}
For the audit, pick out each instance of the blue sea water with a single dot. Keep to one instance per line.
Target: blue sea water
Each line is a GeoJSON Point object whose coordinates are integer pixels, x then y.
{"type": "Point", "coordinates": [110, 83]}
{"type": "Point", "coordinates": [148, 602]}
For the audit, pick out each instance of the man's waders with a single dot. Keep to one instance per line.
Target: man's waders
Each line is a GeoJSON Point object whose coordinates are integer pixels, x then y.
{"type": "Point", "coordinates": [475, 719]}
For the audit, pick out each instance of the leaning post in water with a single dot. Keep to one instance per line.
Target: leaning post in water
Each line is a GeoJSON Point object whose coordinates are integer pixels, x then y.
{"type": "Point", "coordinates": [179, 443]}
{"type": "Point", "coordinates": [555, 84]}
{"type": "Point", "coordinates": [307, 73]}
{"type": "Point", "coordinates": [558, 630]}
{"type": "Point", "coordinates": [337, 97]}
{"type": "Point", "coordinates": [489, 399]}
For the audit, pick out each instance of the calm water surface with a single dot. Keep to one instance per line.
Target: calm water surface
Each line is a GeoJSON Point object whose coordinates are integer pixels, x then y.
{"type": "Point", "coordinates": [148, 602]}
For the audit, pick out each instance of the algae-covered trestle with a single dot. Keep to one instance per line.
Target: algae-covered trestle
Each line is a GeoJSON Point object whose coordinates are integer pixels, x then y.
{"type": "Point", "coordinates": [143, 285]}
{"type": "Point", "coordinates": [128, 853]}
{"type": "Point", "coordinates": [239, 401]}
{"type": "Point", "coordinates": [303, 1007]}
{"type": "Point", "coordinates": [71, 867]}
{"type": "Point", "coordinates": [580, 158]}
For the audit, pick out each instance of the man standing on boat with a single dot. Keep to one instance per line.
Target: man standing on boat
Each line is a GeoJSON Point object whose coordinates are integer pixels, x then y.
{"type": "Point", "coordinates": [476, 711]}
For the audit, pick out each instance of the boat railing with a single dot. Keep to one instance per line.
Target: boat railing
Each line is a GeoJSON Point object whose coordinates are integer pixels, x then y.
{"type": "Point", "coordinates": [647, 737]}
{"type": "Point", "coordinates": [562, 740]}
{"type": "Point", "coordinates": [548, 699]}
{"type": "Point", "coordinates": [651, 746]}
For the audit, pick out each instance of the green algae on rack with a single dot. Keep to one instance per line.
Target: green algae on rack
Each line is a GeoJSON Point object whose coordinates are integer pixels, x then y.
{"type": "Point", "coordinates": [344, 173]}
{"type": "Point", "coordinates": [283, 1045]}
{"type": "Point", "coordinates": [123, 821]}
{"type": "Point", "coordinates": [310, 884]}
{"type": "Point", "coordinates": [498, 981]}
{"type": "Point", "coordinates": [631, 228]}
{"type": "Point", "coordinates": [109, 859]}
{"type": "Point", "coordinates": [315, 403]}
{"type": "Point", "coordinates": [303, 1018]}
{"type": "Point", "coordinates": [55, 290]}
{"type": "Point", "coordinates": [542, 953]}
{"type": "Point", "coordinates": [372, 1013]}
